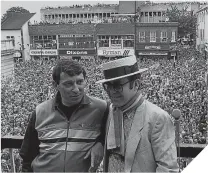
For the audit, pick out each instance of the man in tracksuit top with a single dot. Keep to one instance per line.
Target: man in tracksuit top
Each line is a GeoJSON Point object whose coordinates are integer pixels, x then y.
{"type": "Point", "coordinates": [66, 133]}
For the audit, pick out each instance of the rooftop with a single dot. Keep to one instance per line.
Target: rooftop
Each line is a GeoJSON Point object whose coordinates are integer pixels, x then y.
{"type": "Point", "coordinates": [54, 29]}
{"type": "Point", "coordinates": [15, 22]}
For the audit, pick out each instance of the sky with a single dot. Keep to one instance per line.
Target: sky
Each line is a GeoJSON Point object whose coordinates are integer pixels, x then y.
{"type": "Point", "coordinates": [35, 6]}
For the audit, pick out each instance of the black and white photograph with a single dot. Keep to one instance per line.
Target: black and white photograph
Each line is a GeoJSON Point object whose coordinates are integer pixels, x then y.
{"type": "Point", "coordinates": [104, 86]}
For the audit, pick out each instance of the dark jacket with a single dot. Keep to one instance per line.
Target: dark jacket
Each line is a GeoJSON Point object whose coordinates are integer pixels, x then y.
{"type": "Point", "coordinates": [44, 146]}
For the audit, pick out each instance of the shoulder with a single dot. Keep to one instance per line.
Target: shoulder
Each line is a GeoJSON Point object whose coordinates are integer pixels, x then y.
{"type": "Point", "coordinates": [45, 105]}
{"type": "Point", "coordinates": [97, 102]}
{"type": "Point", "coordinates": [157, 114]}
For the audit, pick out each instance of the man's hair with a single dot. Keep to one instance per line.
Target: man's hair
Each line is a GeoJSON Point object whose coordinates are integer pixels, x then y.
{"type": "Point", "coordinates": [68, 66]}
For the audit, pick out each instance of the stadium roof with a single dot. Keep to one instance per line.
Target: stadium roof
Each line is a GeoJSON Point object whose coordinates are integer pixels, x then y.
{"type": "Point", "coordinates": [15, 22]}
{"type": "Point", "coordinates": [55, 29]}
{"type": "Point", "coordinates": [115, 29]}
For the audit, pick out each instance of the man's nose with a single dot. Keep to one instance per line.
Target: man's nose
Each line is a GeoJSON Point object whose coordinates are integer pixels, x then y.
{"type": "Point", "coordinates": [75, 89]}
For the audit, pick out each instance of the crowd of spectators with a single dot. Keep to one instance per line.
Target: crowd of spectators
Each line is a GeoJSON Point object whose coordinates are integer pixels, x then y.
{"type": "Point", "coordinates": [112, 19]}
{"type": "Point", "coordinates": [82, 6]}
{"type": "Point", "coordinates": [169, 84]}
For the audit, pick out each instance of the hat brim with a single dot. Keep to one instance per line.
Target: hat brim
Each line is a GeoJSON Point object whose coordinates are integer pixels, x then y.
{"type": "Point", "coordinates": [120, 77]}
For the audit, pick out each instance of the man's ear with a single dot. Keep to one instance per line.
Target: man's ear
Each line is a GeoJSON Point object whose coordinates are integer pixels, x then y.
{"type": "Point", "coordinates": [136, 84]}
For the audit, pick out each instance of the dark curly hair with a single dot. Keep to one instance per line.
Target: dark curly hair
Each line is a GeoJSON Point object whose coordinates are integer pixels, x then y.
{"type": "Point", "coordinates": [69, 67]}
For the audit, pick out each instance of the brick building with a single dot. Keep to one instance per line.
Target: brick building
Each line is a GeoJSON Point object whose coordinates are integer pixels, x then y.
{"type": "Point", "coordinates": [115, 39]}
{"type": "Point", "coordinates": [156, 39]}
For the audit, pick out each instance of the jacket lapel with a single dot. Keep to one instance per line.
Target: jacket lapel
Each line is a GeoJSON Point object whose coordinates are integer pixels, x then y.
{"type": "Point", "coordinates": [134, 137]}
{"type": "Point", "coordinates": [105, 161]}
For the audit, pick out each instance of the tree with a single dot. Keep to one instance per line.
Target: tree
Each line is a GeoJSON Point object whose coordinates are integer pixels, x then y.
{"type": "Point", "coordinates": [15, 10]}
{"type": "Point", "coordinates": [186, 21]}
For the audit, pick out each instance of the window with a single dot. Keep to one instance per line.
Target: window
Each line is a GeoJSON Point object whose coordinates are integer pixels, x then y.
{"type": "Point", "coordinates": [103, 41]}
{"type": "Point", "coordinates": [173, 38]}
{"type": "Point", "coordinates": [116, 41]}
{"type": "Point", "coordinates": [152, 36]}
{"type": "Point", "coordinates": [142, 36]}
{"type": "Point", "coordinates": [159, 13]}
{"type": "Point", "coordinates": [8, 37]}
{"type": "Point", "coordinates": [35, 37]}
{"type": "Point", "coordinates": [128, 41]}
{"type": "Point", "coordinates": [163, 36]}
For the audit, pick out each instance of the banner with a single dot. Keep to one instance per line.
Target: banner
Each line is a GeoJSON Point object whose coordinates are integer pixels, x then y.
{"type": "Point", "coordinates": [77, 52]}
{"type": "Point", "coordinates": [46, 52]}
{"type": "Point", "coordinates": [152, 47]}
{"type": "Point", "coordinates": [115, 52]}
{"type": "Point", "coordinates": [152, 53]}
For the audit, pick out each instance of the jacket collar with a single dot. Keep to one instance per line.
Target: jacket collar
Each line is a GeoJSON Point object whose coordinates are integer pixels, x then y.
{"type": "Point", "coordinates": [57, 100]}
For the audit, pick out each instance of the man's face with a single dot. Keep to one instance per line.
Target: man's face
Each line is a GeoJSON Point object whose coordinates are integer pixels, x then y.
{"type": "Point", "coordinates": [119, 91]}
{"type": "Point", "coordinates": [71, 88]}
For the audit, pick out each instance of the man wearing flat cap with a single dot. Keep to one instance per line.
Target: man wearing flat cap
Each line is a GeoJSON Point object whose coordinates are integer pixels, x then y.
{"type": "Point", "coordinates": [140, 136]}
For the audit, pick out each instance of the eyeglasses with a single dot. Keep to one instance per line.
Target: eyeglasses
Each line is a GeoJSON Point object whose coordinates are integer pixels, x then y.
{"type": "Point", "coordinates": [116, 87]}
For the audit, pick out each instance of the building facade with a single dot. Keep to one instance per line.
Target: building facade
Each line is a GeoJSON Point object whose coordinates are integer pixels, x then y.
{"type": "Point", "coordinates": [151, 35]}
{"type": "Point", "coordinates": [202, 28]}
{"type": "Point", "coordinates": [116, 39]}
{"type": "Point", "coordinates": [7, 58]}
{"type": "Point", "coordinates": [103, 40]}
{"type": "Point", "coordinates": [78, 14]}
{"type": "Point", "coordinates": [62, 41]}
{"type": "Point", "coordinates": [16, 27]}
{"type": "Point", "coordinates": [156, 39]}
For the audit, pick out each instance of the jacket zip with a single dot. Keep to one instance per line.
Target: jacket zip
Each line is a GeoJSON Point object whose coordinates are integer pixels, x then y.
{"type": "Point", "coordinates": [68, 125]}
{"type": "Point", "coordinates": [66, 146]}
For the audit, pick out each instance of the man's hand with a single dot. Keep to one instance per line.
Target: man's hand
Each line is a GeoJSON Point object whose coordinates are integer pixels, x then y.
{"type": "Point", "coordinates": [96, 156]}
